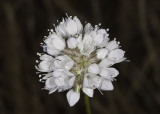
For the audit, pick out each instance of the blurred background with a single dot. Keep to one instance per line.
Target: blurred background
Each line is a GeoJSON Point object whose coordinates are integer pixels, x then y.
{"type": "Point", "coordinates": [135, 23]}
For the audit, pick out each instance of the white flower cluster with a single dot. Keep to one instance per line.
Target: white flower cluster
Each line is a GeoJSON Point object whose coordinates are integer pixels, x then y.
{"type": "Point", "coordinates": [78, 58]}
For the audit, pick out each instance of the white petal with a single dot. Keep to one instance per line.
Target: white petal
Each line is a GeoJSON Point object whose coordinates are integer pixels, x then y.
{"type": "Point", "coordinates": [58, 73]}
{"type": "Point", "coordinates": [104, 43]}
{"type": "Point", "coordinates": [88, 27]}
{"type": "Point", "coordinates": [52, 51]}
{"type": "Point", "coordinates": [92, 81]}
{"type": "Point", "coordinates": [63, 62]}
{"type": "Point", "coordinates": [57, 64]}
{"type": "Point", "coordinates": [61, 58]}
{"type": "Point", "coordinates": [97, 80]}
{"type": "Point", "coordinates": [59, 43]}
{"type": "Point", "coordinates": [60, 89]}
{"type": "Point", "coordinates": [101, 31]}
{"type": "Point", "coordinates": [101, 53]}
{"type": "Point", "coordinates": [105, 63]}
{"type": "Point", "coordinates": [68, 64]}
{"type": "Point", "coordinates": [116, 54]}
{"type": "Point", "coordinates": [60, 81]}
{"type": "Point", "coordinates": [79, 43]}
{"type": "Point", "coordinates": [48, 40]}
{"type": "Point", "coordinates": [109, 73]}
{"type": "Point", "coordinates": [71, 42]}
{"type": "Point", "coordinates": [58, 61]}
{"type": "Point", "coordinates": [93, 68]}
{"type": "Point", "coordinates": [104, 73]}
{"type": "Point", "coordinates": [52, 90]}
{"type": "Point", "coordinates": [46, 76]}
{"type": "Point", "coordinates": [54, 41]}
{"type": "Point", "coordinates": [46, 57]}
{"type": "Point", "coordinates": [85, 82]}
{"type": "Point", "coordinates": [50, 83]}
{"type": "Point", "coordinates": [106, 85]}
{"type": "Point", "coordinates": [71, 27]}
{"type": "Point", "coordinates": [99, 38]}
{"type": "Point", "coordinates": [112, 45]}
{"type": "Point", "coordinates": [79, 38]}
{"type": "Point", "coordinates": [88, 45]}
{"type": "Point", "coordinates": [45, 66]}
{"type": "Point", "coordinates": [93, 34]}
{"type": "Point", "coordinates": [87, 40]}
{"type": "Point", "coordinates": [73, 97]}
{"type": "Point", "coordinates": [61, 30]}
{"type": "Point", "coordinates": [79, 25]}
{"type": "Point", "coordinates": [88, 92]}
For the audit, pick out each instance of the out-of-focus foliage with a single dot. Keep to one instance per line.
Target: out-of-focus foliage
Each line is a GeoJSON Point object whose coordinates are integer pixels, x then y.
{"type": "Point", "coordinates": [135, 23]}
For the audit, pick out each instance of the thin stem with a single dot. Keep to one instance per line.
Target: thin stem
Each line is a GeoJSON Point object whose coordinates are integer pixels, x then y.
{"type": "Point", "coordinates": [87, 104]}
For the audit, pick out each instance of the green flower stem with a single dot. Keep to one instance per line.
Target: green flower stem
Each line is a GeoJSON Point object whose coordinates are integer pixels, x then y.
{"type": "Point", "coordinates": [87, 104]}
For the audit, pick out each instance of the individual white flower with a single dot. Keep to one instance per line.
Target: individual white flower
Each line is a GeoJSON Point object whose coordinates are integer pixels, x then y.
{"type": "Point", "coordinates": [100, 36]}
{"type": "Point", "coordinates": [78, 59]}
{"type": "Point", "coordinates": [54, 44]}
{"type": "Point", "coordinates": [116, 55]}
{"type": "Point", "coordinates": [69, 27]}
{"type": "Point", "coordinates": [46, 65]}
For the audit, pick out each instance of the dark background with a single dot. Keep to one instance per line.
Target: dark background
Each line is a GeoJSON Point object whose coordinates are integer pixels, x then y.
{"type": "Point", "coordinates": [135, 23]}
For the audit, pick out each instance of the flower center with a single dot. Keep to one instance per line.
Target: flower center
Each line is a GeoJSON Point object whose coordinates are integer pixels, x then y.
{"type": "Point", "coordinates": [81, 63]}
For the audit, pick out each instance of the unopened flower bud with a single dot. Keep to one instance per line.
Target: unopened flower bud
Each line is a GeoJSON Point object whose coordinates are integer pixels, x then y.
{"type": "Point", "coordinates": [71, 42]}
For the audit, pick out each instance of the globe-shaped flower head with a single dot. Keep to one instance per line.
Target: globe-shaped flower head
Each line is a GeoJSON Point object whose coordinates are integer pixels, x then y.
{"type": "Point", "coordinates": [78, 58]}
